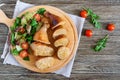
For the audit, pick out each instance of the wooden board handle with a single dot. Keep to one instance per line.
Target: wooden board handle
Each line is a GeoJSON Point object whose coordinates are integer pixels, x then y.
{"type": "Point", "coordinates": [4, 19]}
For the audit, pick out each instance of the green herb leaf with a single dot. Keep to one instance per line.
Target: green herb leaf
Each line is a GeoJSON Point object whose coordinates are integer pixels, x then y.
{"type": "Point", "coordinates": [29, 38]}
{"type": "Point", "coordinates": [41, 11]}
{"type": "Point", "coordinates": [18, 21]}
{"type": "Point", "coordinates": [26, 58]}
{"type": "Point", "coordinates": [34, 23]}
{"type": "Point", "coordinates": [12, 38]}
{"type": "Point", "coordinates": [15, 52]}
{"type": "Point", "coordinates": [93, 18]}
{"type": "Point", "coordinates": [24, 35]}
{"type": "Point", "coordinates": [101, 44]}
{"type": "Point", "coordinates": [12, 28]}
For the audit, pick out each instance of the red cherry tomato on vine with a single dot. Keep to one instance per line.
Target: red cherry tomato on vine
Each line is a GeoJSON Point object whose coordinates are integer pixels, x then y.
{"type": "Point", "coordinates": [83, 13]}
{"type": "Point", "coordinates": [88, 33]}
{"type": "Point", "coordinates": [110, 27]}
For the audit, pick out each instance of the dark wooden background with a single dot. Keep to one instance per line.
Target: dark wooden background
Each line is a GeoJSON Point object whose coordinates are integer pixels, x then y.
{"type": "Point", "coordinates": [88, 65]}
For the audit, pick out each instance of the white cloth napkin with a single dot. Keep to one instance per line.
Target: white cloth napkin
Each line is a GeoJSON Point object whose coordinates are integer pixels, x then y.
{"type": "Point", "coordinates": [9, 59]}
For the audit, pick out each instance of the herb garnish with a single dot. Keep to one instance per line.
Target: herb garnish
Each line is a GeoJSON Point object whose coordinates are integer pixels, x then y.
{"type": "Point", "coordinates": [15, 51]}
{"type": "Point", "coordinates": [26, 58]}
{"type": "Point", "coordinates": [41, 11]}
{"type": "Point", "coordinates": [101, 44]}
{"type": "Point", "coordinates": [93, 18]}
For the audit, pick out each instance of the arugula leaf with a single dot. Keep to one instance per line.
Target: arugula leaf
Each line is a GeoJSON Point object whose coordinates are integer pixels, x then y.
{"type": "Point", "coordinates": [12, 41]}
{"type": "Point", "coordinates": [93, 18]}
{"type": "Point", "coordinates": [101, 44]}
{"type": "Point", "coordinates": [18, 21]}
{"type": "Point", "coordinates": [15, 52]}
{"type": "Point", "coordinates": [34, 23]}
{"type": "Point", "coordinates": [12, 28]}
{"type": "Point", "coordinates": [29, 38]}
{"type": "Point", "coordinates": [26, 58]}
{"type": "Point", "coordinates": [41, 11]}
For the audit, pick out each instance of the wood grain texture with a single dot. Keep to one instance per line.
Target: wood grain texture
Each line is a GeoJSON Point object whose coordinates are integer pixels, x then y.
{"type": "Point", "coordinates": [89, 65]}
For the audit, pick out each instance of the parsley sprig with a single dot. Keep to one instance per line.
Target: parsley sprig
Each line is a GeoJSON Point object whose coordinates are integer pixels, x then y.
{"type": "Point", "coordinates": [93, 18]}
{"type": "Point", "coordinates": [101, 44]}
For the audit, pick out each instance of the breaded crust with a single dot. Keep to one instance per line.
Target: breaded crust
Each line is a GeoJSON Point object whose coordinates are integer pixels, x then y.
{"type": "Point", "coordinates": [45, 63]}
{"type": "Point", "coordinates": [42, 36]}
{"type": "Point", "coordinates": [61, 41]}
{"type": "Point", "coordinates": [59, 31]}
{"type": "Point", "coordinates": [41, 49]}
{"type": "Point", "coordinates": [63, 52]}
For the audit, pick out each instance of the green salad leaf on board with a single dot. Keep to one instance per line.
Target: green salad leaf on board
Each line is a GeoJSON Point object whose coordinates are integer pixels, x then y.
{"type": "Point", "coordinates": [41, 11]}
{"type": "Point", "coordinates": [12, 38]}
{"type": "Point", "coordinates": [15, 52]}
{"type": "Point", "coordinates": [34, 23]}
{"type": "Point", "coordinates": [17, 21]}
{"type": "Point", "coordinates": [26, 58]}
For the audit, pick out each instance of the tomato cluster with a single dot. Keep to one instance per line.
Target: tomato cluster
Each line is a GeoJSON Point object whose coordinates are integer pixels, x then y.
{"type": "Point", "coordinates": [89, 33]}
{"type": "Point", "coordinates": [24, 53]}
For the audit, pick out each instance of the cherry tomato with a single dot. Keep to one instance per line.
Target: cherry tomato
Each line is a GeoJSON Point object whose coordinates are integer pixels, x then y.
{"type": "Point", "coordinates": [88, 33]}
{"type": "Point", "coordinates": [37, 17]}
{"type": "Point", "coordinates": [110, 27]}
{"type": "Point", "coordinates": [23, 54]}
{"type": "Point", "coordinates": [83, 13]}
{"type": "Point", "coordinates": [21, 30]}
{"type": "Point", "coordinates": [25, 45]}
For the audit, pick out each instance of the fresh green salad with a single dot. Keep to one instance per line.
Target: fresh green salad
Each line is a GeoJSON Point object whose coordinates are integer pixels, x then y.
{"type": "Point", "coordinates": [23, 30]}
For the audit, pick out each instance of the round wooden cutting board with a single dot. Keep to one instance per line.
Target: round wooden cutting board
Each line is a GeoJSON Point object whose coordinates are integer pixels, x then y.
{"type": "Point", "coordinates": [72, 36]}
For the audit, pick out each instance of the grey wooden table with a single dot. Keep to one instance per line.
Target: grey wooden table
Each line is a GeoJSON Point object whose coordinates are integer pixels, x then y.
{"type": "Point", "coordinates": [88, 65]}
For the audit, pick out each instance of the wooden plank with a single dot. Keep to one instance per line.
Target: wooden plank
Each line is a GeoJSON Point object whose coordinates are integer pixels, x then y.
{"type": "Point", "coordinates": [83, 64]}
{"type": "Point", "coordinates": [56, 77]}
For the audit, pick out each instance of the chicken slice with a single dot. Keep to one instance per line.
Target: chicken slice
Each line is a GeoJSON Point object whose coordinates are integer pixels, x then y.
{"type": "Point", "coordinates": [45, 63]}
{"type": "Point", "coordinates": [62, 41]}
{"type": "Point", "coordinates": [41, 49]}
{"type": "Point", "coordinates": [63, 52]}
{"type": "Point", "coordinates": [59, 31]}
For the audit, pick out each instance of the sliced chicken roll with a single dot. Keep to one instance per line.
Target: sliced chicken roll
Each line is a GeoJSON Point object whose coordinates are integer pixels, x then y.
{"type": "Point", "coordinates": [62, 41]}
{"type": "Point", "coordinates": [59, 31]}
{"type": "Point", "coordinates": [63, 52]}
{"type": "Point", "coordinates": [41, 49]}
{"type": "Point", "coordinates": [45, 63]}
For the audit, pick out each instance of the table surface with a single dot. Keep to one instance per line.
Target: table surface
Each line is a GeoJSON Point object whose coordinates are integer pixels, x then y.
{"type": "Point", "coordinates": [88, 65]}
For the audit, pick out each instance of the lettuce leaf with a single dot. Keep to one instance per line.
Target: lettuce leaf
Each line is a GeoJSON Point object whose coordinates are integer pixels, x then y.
{"type": "Point", "coordinates": [15, 52]}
